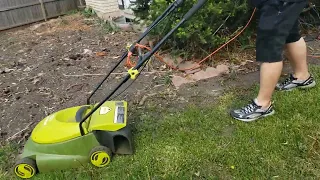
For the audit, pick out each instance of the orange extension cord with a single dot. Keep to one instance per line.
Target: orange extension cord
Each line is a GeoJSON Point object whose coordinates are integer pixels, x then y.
{"type": "Point", "coordinates": [130, 64]}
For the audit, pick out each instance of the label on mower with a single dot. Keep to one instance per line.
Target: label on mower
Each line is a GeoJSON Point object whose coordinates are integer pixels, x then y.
{"type": "Point", "coordinates": [104, 110]}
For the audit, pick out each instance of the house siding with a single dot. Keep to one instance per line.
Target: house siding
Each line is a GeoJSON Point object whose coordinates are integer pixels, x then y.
{"type": "Point", "coordinates": [103, 6]}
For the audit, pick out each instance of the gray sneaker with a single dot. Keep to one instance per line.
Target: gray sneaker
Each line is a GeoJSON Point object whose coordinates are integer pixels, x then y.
{"type": "Point", "coordinates": [251, 112]}
{"type": "Point", "coordinates": [292, 83]}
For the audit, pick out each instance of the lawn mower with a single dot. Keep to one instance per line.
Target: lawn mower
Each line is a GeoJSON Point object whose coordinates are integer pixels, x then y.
{"type": "Point", "coordinates": [94, 132]}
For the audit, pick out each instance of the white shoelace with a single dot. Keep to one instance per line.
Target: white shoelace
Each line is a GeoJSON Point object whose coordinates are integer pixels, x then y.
{"type": "Point", "coordinates": [249, 108]}
{"type": "Point", "coordinates": [287, 81]}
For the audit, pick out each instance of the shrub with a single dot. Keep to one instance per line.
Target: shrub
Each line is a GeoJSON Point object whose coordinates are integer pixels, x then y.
{"type": "Point", "coordinates": [311, 17]}
{"type": "Point", "coordinates": [211, 26]}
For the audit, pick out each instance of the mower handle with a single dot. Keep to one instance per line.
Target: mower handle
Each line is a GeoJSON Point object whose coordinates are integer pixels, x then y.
{"type": "Point", "coordinates": [190, 13]}
{"type": "Point", "coordinates": [147, 56]}
{"type": "Point", "coordinates": [194, 9]}
{"type": "Point", "coordinates": [168, 11]}
{"type": "Point", "coordinates": [178, 2]}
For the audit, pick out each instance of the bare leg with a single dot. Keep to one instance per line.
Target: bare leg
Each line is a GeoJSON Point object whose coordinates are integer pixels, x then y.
{"type": "Point", "coordinates": [270, 72]}
{"type": "Point", "coordinates": [262, 106]}
{"type": "Point", "coordinates": [269, 76]}
{"type": "Point", "coordinates": [297, 54]}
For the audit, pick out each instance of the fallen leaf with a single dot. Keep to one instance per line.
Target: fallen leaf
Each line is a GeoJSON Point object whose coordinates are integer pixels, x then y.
{"type": "Point", "coordinates": [6, 70]}
{"type": "Point", "coordinates": [163, 67]}
{"type": "Point", "coordinates": [87, 52]}
{"type": "Point", "coordinates": [101, 54]}
{"type": "Point", "coordinates": [35, 80]}
{"type": "Point", "coordinates": [144, 98]}
{"type": "Point", "coordinates": [115, 57]}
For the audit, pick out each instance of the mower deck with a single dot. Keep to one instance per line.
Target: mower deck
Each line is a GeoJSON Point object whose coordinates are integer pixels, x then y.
{"type": "Point", "coordinates": [90, 133]}
{"type": "Point", "coordinates": [56, 142]}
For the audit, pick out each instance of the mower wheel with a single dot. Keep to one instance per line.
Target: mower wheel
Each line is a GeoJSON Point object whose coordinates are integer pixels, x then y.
{"type": "Point", "coordinates": [25, 168]}
{"type": "Point", "coordinates": [100, 156]}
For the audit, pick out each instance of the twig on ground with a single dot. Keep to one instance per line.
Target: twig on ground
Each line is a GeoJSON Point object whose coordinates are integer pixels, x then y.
{"type": "Point", "coordinates": [21, 131]}
{"type": "Point", "coordinates": [45, 112]}
{"type": "Point", "coordinates": [9, 123]}
{"type": "Point", "coordinates": [221, 25]}
{"type": "Point", "coordinates": [316, 153]}
{"type": "Point", "coordinates": [159, 85]}
{"type": "Point", "coordinates": [144, 98]}
{"type": "Point", "coordinates": [76, 85]}
{"type": "Point", "coordinates": [313, 138]}
{"type": "Point", "coordinates": [313, 144]}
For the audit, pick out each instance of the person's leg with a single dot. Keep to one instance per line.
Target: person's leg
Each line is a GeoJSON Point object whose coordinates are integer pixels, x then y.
{"type": "Point", "coordinates": [297, 54]}
{"type": "Point", "coordinates": [262, 106]}
{"type": "Point", "coordinates": [269, 77]}
{"type": "Point", "coordinates": [276, 20]}
{"type": "Point", "coordinates": [269, 46]}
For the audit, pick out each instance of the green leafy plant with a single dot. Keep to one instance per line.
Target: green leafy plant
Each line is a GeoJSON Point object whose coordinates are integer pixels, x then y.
{"type": "Point", "coordinates": [214, 24]}
{"type": "Point", "coordinates": [88, 12]}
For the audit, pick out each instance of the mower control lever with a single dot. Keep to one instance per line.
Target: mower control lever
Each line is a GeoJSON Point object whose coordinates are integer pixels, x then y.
{"type": "Point", "coordinates": [133, 73]}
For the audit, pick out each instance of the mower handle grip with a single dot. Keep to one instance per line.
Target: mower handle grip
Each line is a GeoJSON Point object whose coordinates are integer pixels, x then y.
{"type": "Point", "coordinates": [195, 8]}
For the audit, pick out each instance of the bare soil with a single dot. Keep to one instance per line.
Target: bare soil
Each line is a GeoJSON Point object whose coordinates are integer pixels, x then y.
{"type": "Point", "coordinates": [38, 64]}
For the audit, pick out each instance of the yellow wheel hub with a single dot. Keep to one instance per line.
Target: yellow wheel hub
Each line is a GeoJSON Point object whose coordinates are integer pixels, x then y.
{"type": "Point", "coordinates": [100, 158]}
{"type": "Point", "coordinates": [24, 171]}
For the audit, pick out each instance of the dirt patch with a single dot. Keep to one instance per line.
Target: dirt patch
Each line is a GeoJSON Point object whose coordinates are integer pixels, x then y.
{"type": "Point", "coordinates": [36, 60]}
{"type": "Point", "coordinates": [56, 64]}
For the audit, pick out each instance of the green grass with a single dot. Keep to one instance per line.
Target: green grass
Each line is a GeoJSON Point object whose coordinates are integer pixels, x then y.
{"type": "Point", "coordinates": [207, 144]}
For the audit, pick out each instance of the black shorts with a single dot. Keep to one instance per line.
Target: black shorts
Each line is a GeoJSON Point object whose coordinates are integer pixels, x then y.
{"type": "Point", "coordinates": [278, 25]}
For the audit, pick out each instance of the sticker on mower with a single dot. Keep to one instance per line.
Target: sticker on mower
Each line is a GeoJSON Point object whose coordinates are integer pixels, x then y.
{"type": "Point", "coordinates": [104, 110]}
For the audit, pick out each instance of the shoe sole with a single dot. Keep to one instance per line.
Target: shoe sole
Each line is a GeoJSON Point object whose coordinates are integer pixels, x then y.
{"type": "Point", "coordinates": [313, 84]}
{"type": "Point", "coordinates": [250, 120]}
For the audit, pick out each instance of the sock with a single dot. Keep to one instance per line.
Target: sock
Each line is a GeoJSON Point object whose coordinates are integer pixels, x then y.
{"type": "Point", "coordinates": [264, 108]}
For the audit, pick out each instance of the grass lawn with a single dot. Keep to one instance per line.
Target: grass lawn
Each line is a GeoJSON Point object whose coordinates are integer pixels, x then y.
{"type": "Point", "coordinates": [207, 143]}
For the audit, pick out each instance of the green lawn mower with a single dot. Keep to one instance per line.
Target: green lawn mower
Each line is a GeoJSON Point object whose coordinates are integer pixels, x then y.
{"type": "Point", "coordinates": [91, 133]}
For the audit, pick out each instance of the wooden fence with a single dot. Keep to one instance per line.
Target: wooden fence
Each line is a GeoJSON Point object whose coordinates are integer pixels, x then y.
{"type": "Point", "coordinates": [15, 13]}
